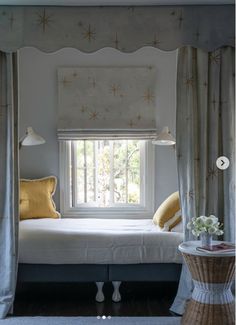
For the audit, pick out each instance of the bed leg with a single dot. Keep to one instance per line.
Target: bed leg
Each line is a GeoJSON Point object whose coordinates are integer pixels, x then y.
{"type": "Point", "coordinates": [116, 297]}
{"type": "Point", "coordinates": [100, 296]}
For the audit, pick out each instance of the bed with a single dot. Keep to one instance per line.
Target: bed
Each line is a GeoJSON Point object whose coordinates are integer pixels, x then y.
{"type": "Point", "coordinates": [98, 250]}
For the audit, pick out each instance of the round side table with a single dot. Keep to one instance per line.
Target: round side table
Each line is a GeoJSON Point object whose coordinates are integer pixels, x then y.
{"type": "Point", "coordinates": [212, 302]}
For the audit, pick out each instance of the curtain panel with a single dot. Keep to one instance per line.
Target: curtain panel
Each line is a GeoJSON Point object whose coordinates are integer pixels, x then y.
{"type": "Point", "coordinates": [205, 130]}
{"type": "Point", "coordinates": [8, 181]}
{"type": "Point", "coordinates": [89, 29]}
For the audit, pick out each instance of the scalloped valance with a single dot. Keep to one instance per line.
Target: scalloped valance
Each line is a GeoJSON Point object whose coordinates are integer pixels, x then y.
{"type": "Point", "coordinates": [124, 28]}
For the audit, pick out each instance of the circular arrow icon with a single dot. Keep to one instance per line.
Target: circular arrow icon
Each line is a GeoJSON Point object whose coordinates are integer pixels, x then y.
{"type": "Point", "coordinates": [222, 162]}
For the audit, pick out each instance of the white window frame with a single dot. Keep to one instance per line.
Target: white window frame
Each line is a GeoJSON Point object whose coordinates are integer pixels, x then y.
{"type": "Point", "coordinates": [143, 210]}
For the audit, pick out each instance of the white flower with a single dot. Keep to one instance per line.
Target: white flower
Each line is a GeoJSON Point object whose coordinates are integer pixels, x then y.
{"type": "Point", "coordinates": [189, 225]}
{"type": "Point", "coordinates": [200, 221]}
{"type": "Point", "coordinates": [209, 221]}
{"type": "Point", "coordinates": [205, 224]}
{"type": "Point", "coordinates": [219, 232]}
{"type": "Point", "coordinates": [195, 233]}
{"type": "Point", "coordinates": [212, 230]}
{"type": "Point", "coordinates": [213, 218]}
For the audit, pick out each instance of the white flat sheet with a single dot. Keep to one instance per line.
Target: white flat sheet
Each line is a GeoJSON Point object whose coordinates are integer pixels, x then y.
{"type": "Point", "coordinates": [96, 241]}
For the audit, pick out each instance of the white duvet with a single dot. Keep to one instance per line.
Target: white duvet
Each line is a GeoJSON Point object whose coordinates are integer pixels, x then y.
{"type": "Point", "coordinates": [96, 241]}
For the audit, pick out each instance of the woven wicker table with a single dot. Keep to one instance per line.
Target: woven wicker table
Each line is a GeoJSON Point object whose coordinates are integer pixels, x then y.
{"type": "Point", "coordinates": [212, 302]}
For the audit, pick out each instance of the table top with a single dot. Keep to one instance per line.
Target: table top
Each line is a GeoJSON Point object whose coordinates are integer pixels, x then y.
{"type": "Point", "coordinates": [189, 247]}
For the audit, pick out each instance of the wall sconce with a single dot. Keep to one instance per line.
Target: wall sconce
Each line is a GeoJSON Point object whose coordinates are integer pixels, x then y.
{"type": "Point", "coordinates": [31, 138]}
{"type": "Point", "coordinates": [165, 138]}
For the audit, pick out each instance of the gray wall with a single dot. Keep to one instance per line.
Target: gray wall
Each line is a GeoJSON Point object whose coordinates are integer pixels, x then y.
{"type": "Point", "coordinates": [38, 106]}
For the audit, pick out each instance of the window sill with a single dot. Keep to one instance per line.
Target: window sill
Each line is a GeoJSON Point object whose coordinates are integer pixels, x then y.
{"type": "Point", "coordinates": [108, 213]}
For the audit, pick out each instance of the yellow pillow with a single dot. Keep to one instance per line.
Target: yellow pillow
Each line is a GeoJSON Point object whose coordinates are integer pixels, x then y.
{"type": "Point", "coordinates": [36, 198]}
{"type": "Point", "coordinates": [167, 210]}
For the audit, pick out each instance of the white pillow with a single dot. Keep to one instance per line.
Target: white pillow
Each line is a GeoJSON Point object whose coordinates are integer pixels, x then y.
{"type": "Point", "coordinates": [178, 227]}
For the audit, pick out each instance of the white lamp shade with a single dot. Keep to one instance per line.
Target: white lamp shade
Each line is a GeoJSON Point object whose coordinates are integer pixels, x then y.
{"type": "Point", "coordinates": [165, 138]}
{"type": "Point", "coordinates": [32, 138]}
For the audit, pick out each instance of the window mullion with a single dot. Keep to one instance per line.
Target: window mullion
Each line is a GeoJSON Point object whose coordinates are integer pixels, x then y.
{"type": "Point", "coordinates": [126, 172]}
{"type": "Point", "coordinates": [111, 172]}
{"type": "Point", "coordinates": [74, 173]}
{"type": "Point", "coordinates": [85, 172]}
{"type": "Point", "coordinates": [143, 170]}
{"type": "Point", "coordinates": [95, 168]}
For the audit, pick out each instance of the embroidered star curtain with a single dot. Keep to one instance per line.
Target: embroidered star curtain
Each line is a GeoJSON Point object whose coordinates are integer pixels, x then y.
{"type": "Point", "coordinates": [205, 130]}
{"type": "Point", "coordinates": [8, 181]}
{"type": "Point", "coordinates": [124, 28]}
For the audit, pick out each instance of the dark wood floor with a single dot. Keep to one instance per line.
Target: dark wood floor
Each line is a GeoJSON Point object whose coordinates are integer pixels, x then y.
{"type": "Point", "coordinates": [58, 299]}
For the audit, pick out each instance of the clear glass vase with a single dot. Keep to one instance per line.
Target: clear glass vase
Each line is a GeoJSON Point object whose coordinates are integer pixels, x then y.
{"type": "Point", "coordinates": [206, 239]}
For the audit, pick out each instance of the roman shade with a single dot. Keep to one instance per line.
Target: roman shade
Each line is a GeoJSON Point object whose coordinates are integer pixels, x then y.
{"type": "Point", "coordinates": [106, 102]}
{"type": "Point", "coordinates": [124, 28]}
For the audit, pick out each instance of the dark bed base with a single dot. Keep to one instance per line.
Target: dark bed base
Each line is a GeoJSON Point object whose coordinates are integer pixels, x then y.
{"type": "Point", "coordinates": [98, 272]}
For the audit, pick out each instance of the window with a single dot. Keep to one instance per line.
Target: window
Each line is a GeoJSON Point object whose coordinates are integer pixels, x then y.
{"type": "Point", "coordinates": [106, 177]}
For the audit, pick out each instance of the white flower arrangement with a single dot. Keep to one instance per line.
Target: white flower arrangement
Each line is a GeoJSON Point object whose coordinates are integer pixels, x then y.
{"type": "Point", "coordinates": [203, 224]}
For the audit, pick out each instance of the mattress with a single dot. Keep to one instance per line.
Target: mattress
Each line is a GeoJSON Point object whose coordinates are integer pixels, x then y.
{"type": "Point", "coordinates": [96, 241]}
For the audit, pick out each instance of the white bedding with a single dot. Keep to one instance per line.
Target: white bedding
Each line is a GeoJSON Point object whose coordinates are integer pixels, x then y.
{"type": "Point", "coordinates": [96, 241]}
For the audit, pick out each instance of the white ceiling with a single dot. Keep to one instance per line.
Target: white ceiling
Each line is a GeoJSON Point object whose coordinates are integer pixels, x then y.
{"type": "Point", "coordinates": [112, 2]}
